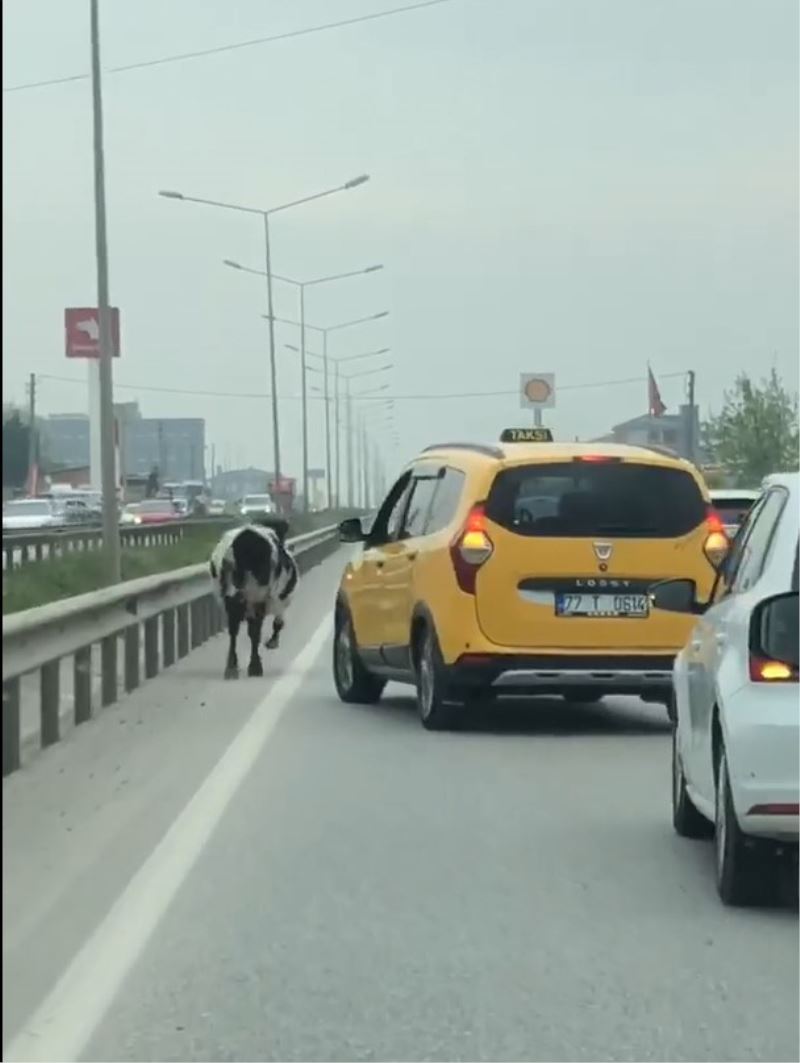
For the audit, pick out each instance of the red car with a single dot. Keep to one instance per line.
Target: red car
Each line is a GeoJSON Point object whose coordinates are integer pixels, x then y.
{"type": "Point", "coordinates": [152, 511]}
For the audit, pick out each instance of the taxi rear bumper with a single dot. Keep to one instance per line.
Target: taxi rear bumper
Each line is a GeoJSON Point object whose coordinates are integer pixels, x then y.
{"type": "Point", "coordinates": [647, 676]}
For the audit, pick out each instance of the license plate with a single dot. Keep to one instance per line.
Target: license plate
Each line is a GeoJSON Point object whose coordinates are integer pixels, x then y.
{"type": "Point", "coordinates": [633, 605]}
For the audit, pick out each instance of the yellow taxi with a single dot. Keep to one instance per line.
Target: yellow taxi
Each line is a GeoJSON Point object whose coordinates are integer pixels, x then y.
{"type": "Point", "coordinates": [523, 568]}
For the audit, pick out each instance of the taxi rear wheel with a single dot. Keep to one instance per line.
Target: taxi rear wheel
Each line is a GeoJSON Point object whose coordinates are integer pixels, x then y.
{"type": "Point", "coordinates": [354, 684]}
{"type": "Point", "coordinates": [436, 713]}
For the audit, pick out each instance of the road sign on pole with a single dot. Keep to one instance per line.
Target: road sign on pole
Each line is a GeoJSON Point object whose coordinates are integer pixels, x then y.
{"type": "Point", "coordinates": [537, 391]}
{"type": "Point", "coordinates": [82, 331]}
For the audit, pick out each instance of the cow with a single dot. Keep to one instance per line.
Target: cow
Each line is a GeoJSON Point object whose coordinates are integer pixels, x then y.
{"type": "Point", "coordinates": [256, 576]}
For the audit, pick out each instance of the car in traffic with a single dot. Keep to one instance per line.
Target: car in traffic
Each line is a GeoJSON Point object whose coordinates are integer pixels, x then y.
{"type": "Point", "coordinates": [150, 511]}
{"type": "Point", "coordinates": [31, 514]}
{"type": "Point", "coordinates": [257, 506]}
{"type": "Point", "coordinates": [523, 568]}
{"type": "Point", "coordinates": [217, 507]}
{"type": "Point", "coordinates": [735, 762]}
{"type": "Point", "coordinates": [733, 505]}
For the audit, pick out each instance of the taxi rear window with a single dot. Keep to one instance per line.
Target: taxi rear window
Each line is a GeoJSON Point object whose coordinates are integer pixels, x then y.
{"type": "Point", "coordinates": [579, 499]}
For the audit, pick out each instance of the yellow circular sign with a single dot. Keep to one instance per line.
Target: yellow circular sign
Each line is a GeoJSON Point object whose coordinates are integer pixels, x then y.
{"type": "Point", "coordinates": [537, 390]}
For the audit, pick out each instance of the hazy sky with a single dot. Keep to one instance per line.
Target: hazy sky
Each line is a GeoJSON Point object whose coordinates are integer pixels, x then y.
{"type": "Point", "coordinates": [569, 185]}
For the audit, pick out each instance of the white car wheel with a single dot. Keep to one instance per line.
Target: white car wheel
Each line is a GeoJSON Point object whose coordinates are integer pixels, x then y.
{"type": "Point", "coordinates": [742, 875]}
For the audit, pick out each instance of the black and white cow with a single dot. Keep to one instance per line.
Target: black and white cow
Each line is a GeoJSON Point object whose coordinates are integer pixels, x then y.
{"type": "Point", "coordinates": [256, 576]}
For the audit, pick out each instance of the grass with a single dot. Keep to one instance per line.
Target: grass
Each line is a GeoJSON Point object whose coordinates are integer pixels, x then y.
{"type": "Point", "coordinates": [52, 580]}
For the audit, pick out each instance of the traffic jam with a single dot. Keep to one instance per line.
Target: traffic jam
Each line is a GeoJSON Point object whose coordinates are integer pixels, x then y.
{"type": "Point", "coordinates": [582, 570]}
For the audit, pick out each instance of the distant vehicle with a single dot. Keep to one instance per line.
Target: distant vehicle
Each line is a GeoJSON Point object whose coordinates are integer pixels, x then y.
{"type": "Point", "coordinates": [735, 762]}
{"type": "Point", "coordinates": [733, 505]}
{"type": "Point", "coordinates": [88, 503]}
{"type": "Point", "coordinates": [150, 511]}
{"type": "Point", "coordinates": [191, 495]}
{"type": "Point", "coordinates": [217, 507]}
{"type": "Point", "coordinates": [31, 514]}
{"type": "Point", "coordinates": [73, 512]}
{"type": "Point", "coordinates": [257, 505]}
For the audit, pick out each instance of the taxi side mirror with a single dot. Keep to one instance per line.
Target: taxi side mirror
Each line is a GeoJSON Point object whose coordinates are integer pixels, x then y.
{"type": "Point", "coordinates": [351, 531]}
{"type": "Point", "coordinates": [676, 596]}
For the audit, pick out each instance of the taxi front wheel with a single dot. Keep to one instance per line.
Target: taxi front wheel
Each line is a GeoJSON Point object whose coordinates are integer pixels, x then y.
{"type": "Point", "coordinates": [435, 712]}
{"type": "Point", "coordinates": [354, 684]}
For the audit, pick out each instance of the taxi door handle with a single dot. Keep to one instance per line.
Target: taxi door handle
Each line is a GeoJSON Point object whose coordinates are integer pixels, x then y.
{"type": "Point", "coordinates": [412, 557]}
{"type": "Point", "coordinates": [379, 565]}
{"type": "Point", "coordinates": [721, 639]}
{"type": "Point", "coordinates": [697, 645]}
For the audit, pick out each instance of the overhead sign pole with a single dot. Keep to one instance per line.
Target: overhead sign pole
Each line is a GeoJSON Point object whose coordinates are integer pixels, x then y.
{"type": "Point", "coordinates": [111, 543]}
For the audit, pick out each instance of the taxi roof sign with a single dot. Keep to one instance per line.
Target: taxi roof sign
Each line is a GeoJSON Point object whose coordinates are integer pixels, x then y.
{"type": "Point", "coordinates": [526, 435]}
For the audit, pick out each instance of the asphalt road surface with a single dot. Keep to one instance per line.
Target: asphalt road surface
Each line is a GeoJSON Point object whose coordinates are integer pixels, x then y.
{"type": "Point", "coordinates": [254, 871]}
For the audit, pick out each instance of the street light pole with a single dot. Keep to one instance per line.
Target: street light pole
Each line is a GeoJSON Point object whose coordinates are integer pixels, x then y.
{"type": "Point", "coordinates": [111, 543]}
{"type": "Point", "coordinates": [349, 408]}
{"type": "Point", "coordinates": [328, 482]}
{"type": "Point", "coordinates": [264, 214]}
{"type": "Point", "coordinates": [338, 431]}
{"type": "Point", "coordinates": [273, 372]}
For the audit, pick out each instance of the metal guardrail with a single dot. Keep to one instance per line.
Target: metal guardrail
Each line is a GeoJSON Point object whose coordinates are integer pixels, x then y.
{"type": "Point", "coordinates": [166, 615]}
{"type": "Point", "coordinates": [22, 548]}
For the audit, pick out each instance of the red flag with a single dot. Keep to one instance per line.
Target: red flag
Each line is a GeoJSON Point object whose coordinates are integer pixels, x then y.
{"type": "Point", "coordinates": [656, 406]}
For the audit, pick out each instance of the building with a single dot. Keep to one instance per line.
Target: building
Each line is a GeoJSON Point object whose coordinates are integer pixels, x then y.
{"type": "Point", "coordinates": [679, 432]}
{"type": "Point", "coordinates": [234, 484]}
{"type": "Point", "coordinates": [176, 445]}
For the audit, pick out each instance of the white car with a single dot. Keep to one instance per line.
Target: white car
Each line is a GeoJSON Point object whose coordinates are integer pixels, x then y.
{"type": "Point", "coordinates": [733, 505]}
{"type": "Point", "coordinates": [31, 514]}
{"type": "Point", "coordinates": [736, 762]}
{"type": "Point", "coordinates": [256, 505]}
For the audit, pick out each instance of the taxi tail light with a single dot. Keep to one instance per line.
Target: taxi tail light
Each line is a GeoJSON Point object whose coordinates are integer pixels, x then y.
{"type": "Point", "coordinates": [471, 548]}
{"type": "Point", "coordinates": [716, 543]}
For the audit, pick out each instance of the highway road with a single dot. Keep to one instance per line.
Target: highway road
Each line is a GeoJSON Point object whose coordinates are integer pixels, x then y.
{"type": "Point", "coordinates": [253, 870]}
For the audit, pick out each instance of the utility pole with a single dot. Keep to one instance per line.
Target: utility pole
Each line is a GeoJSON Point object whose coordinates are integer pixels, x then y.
{"type": "Point", "coordinates": [31, 428]}
{"type": "Point", "coordinates": [111, 545]}
{"type": "Point", "coordinates": [690, 433]}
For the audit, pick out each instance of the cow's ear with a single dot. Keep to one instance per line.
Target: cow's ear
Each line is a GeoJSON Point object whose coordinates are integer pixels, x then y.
{"type": "Point", "coordinates": [213, 568]}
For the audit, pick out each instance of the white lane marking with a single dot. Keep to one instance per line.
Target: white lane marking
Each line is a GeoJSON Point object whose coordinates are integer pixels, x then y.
{"type": "Point", "coordinates": [63, 1024]}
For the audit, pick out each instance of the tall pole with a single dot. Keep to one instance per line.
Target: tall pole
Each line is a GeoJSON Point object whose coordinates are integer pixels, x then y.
{"type": "Point", "coordinates": [328, 481]}
{"type": "Point", "coordinates": [111, 544]}
{"type": "Point", "coordinates": [366, 467]}
{"type": "Point", "coordinates": [690, 440]}
{"type": "Point", "coordinates": [349, 430]}
{"type": "Point", "coordinates": [304, 394]}
{"type": "Point", "coordinates": [338, 431]}
{"type": "Point", "coordinates": [273, 374]}
{"type": "Point", "coordinates": [31, 430]}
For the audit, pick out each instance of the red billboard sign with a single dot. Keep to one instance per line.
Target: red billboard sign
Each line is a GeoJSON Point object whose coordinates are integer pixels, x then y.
{"type": "Point", "coordinates": [82, 331]}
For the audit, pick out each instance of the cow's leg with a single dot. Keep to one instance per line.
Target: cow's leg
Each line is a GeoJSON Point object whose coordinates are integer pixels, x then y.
{"type": "Point", "coordinates": [278, 624]}
{"type": "Point", "coordinates": [234, 607]}
{"type": "Point", "coordinates": [254, 625]}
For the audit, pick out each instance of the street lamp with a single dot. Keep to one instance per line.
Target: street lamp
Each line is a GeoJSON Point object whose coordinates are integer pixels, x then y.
{"type": "Point", "coordinates": [349, 407]}
{"type": "Point", "coordinates": [301, 287]}
{"type": "Point", "coordinates": [336, 363]}
{"type": "Point", "coordinates": [265, 215]}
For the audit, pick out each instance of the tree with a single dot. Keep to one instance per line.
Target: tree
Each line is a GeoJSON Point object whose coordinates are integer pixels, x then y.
{"type": "Point", "coordinates": [15, 450]}
{"type": "Point", "coordinates": [756, 432]}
